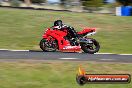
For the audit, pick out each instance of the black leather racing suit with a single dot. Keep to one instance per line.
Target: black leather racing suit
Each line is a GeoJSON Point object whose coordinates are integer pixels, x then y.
{"type": "Point", "coordinates": [71, 31]}
{"type": "Point", "coordinates": [72, 35]}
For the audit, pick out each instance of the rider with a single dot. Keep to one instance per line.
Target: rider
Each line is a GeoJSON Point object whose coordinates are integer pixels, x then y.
{"type": "Point", "coordinates": [59, 25]}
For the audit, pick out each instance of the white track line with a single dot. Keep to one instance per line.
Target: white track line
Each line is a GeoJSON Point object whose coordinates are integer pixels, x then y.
{"type": "Point", "coordinates": [104, 53]}
{"type": "Point", "coordinates": [3, 49]}
{"type": "Point", "coordinates": [68, 58]}
{"type": "Point", "coordinates": [124, 54]}
{"type": "Point", "coordinates": [18, 50]}
{"type": "Point", "coordinates": [12, 50]}
{"type": "Point", "coordinates": [107, 59]}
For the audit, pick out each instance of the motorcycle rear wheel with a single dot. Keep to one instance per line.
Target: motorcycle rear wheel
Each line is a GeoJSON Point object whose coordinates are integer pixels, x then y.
{"type": "Point", "coordinates": [47, 46]}
{"type": "Point", "coordinates": [91, 48]}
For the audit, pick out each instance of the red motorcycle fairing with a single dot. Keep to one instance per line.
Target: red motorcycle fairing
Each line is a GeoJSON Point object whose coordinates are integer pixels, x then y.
{"type": "Point", "coordinates": [87, 30]}
{"type": "Point", "coordinates": [57, 39]}
{"type": "Point", "coordinates": [71, 49]}
{"type": "Point", "coordinates": [63, 44]}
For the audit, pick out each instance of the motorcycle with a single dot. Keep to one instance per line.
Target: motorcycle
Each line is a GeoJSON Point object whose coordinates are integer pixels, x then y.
{"type": "Point", "coordinates": [54, 39]}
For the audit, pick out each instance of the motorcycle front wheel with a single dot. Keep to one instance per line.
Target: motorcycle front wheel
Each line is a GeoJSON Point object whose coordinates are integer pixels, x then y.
{"type": "Point", "coordinates": [48, 46]}
{"type": "Point", "coordinates": [91, 48]}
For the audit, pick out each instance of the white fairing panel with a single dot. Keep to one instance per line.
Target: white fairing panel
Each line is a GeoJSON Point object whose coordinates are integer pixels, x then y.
{"type": "Point", "coordinates": [90, 34]}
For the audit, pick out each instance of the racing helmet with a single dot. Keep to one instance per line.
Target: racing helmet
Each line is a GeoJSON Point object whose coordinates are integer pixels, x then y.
{"type": "Point", "coordinates": [58, 23]}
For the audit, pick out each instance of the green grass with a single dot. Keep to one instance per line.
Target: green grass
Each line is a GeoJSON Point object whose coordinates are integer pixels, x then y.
{"type": "Point", "coordinates": [22, 29]}
{"type": "Point", "coordinates": [25, 74]}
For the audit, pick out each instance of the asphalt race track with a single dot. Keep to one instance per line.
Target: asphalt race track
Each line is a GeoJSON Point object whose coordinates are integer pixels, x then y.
{"type": "Point", "coordinates": [39, 55]}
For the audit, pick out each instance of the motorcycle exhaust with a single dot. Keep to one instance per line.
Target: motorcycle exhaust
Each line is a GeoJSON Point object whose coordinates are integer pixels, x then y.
{"type": "Point", "coordinates": [84, 40]}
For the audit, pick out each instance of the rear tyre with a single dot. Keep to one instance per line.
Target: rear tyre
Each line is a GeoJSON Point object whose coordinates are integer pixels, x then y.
{"type": "Point", "coordinates": [91, 48]}
{"type": "Point", "coordinates": [48, 46]}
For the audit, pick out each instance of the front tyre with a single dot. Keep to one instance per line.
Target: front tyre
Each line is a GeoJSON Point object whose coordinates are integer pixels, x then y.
{"type": "Point", "coordinates": [91, 48]}
{"type": "Point", "coordinates": [48, 46]}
